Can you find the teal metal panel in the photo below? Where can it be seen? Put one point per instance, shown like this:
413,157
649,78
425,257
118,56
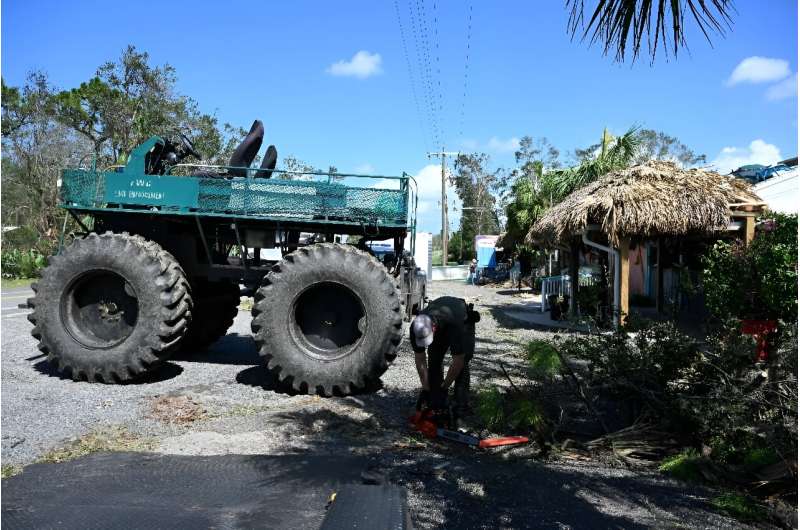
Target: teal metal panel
152,190
275,199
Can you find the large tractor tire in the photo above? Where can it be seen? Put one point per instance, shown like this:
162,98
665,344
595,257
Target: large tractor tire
216,304
110,307
328,319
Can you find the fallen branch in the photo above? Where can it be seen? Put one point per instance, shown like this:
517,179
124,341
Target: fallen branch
502,366
580,390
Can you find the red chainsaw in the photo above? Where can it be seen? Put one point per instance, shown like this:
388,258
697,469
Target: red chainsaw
428,423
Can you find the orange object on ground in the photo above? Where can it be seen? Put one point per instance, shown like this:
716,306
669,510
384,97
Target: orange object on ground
423,421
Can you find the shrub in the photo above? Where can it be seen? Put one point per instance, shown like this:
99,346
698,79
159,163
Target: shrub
23,263
490,407
543,359
645,364
740,409
758,281
739,506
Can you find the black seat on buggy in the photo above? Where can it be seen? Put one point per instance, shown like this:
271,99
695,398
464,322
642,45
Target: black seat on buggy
268,163
247,150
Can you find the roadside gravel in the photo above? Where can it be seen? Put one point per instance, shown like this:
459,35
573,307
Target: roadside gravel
228,406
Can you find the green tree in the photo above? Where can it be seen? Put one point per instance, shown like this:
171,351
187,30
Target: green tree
129,100
652,145
656,145
533,158
476,187
35,149
620,25
613,153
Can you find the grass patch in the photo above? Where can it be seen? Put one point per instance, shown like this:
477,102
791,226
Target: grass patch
13,283
739,506
9,470
110,440
683,466
760,457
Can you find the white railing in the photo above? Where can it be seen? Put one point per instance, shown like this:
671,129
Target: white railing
562,286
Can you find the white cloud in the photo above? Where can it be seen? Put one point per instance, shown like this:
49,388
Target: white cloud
503,146
429,210
784,90
362,65
759,70
758,152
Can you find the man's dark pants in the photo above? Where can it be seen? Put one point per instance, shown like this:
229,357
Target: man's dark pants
436,354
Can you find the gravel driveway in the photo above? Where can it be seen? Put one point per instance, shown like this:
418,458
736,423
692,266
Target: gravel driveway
221,402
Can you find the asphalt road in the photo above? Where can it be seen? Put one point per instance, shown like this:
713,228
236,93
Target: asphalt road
232,408
11,298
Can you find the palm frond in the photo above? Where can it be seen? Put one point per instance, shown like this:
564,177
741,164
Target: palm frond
617,24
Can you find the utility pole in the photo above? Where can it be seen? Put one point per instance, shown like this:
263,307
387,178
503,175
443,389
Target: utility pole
444,154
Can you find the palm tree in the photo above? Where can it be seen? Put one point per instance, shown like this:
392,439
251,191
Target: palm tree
614,153
615,22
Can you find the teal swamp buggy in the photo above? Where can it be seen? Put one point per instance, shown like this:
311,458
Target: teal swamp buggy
166,248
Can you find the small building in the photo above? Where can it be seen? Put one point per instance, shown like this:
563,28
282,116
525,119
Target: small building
648,219
779,186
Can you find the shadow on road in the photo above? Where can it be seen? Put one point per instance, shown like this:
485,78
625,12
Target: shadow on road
455,486
164,372
233,349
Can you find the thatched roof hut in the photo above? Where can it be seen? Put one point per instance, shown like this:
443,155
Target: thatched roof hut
648,200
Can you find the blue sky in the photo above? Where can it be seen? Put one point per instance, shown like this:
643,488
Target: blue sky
297,67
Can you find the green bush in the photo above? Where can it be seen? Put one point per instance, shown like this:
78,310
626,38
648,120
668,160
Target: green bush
490,407
739,506
757,281
543,359
510,410
645,363
23,263
742,410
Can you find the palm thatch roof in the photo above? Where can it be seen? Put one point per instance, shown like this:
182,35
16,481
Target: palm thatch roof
653,199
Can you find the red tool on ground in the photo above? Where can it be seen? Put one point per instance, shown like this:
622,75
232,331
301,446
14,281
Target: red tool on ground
425,421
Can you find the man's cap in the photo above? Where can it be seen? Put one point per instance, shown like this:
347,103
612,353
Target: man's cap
422,331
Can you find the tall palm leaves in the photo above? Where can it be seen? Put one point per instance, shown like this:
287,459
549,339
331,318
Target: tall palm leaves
615,23
614,153
534,192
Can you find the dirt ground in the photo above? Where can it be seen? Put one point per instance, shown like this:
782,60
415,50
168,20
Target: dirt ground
221,402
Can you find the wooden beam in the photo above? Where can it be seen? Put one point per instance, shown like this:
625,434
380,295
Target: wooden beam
749,230
660,276
574,267
624,279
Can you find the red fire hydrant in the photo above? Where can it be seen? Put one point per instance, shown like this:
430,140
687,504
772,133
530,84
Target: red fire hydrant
759,329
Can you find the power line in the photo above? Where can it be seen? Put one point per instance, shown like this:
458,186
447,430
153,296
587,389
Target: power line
438,68
422,25
466,73
417,30
412,82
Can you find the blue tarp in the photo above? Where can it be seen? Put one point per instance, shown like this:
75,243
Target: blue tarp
487,257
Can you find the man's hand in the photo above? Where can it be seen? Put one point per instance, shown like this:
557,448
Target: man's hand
455,369
424,400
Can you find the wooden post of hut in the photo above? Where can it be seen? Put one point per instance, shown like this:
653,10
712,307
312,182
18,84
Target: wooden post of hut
660,276
574,266
749,229
624,278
